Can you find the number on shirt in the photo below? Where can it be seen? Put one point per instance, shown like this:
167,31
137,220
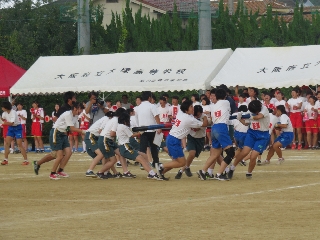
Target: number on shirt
217,113
270,125
255,125
177,122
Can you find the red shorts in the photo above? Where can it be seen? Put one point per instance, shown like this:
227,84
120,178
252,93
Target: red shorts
296,120
4,130
24,130
84,126
208,130
36,129
303,129
73,134
165,131
312,126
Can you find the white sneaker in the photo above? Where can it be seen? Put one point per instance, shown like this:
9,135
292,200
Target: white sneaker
185,150
11,150
265,162
280,161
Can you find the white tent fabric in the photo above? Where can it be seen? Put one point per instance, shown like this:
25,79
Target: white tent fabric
271,67
135,71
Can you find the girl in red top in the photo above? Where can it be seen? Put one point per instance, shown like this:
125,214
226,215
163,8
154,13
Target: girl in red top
311,122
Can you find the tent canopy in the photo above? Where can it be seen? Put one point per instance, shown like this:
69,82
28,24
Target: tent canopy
9,75
125,72
271,67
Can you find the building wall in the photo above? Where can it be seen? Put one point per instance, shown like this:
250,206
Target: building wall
120,5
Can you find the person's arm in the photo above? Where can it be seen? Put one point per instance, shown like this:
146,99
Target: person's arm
24,116
236,91
41,116
89,105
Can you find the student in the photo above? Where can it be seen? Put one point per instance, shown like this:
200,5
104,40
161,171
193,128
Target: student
59,141
294,105
91,141
257,136
267,102
123,134
285,137
242,100
195,99
14,131
54,114
195,142
221,141
84,125
183,125
311,122
205,103
37,116
125,104
22,116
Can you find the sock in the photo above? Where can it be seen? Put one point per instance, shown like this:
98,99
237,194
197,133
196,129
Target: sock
84,146
152,173
6,159
232,167
218,174
89,170
26,160
119,162
210,171
249,173
60,170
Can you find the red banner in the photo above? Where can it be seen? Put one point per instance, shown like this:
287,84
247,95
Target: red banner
4,92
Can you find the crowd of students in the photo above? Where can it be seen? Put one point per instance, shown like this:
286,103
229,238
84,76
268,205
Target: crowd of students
239,127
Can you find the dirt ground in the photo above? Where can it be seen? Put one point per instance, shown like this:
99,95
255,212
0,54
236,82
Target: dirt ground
279,202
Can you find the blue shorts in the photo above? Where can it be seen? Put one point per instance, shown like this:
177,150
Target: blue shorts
15,131
174,147
240,137
285,138
220,136
58,140
257,140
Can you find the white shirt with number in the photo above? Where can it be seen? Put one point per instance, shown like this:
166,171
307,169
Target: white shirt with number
238,126
65,120
164,114
294,102
206,108
199,132
220,112
22,113
145,114
11,117
174,111
39,112
98,125
284,119
273,121
123,134
311,113
261,124
111,125
183,124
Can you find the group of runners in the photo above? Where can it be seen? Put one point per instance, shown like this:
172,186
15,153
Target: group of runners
233,128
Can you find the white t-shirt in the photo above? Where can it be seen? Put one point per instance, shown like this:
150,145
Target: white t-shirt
220,112
123,134
145,114
111,125
311,113
196,103
199,132
11,117
22,113
82,116
244,103
65,120
238,126
273,100
98,125
183,124
174,111
278,103
133,122
317,106
126,105
294,102
263,123
273,121
284,119
206,108
164,114
38,112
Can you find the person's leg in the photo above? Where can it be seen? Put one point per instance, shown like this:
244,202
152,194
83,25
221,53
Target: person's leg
84,149
277,148
252,164
227,160
149,155
96,159
40,142
76,143
270,153
309,142
71,141
65,159
154,148
23,151
314,139
109,164
7,144
25,144
56,164
46,158
214,154
191,156
299,135
36,143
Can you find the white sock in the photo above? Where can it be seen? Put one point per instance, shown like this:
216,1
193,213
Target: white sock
232,167
119,162
210,171
84,146
89,170
152,173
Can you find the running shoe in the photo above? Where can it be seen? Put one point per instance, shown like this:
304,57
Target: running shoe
54,176
230,174
91,174
188,172
36,167
141,167
154,177
83,151
63,174
42,150
118,165
25,163
209,177
101,175
179,174
243,163
293,146
128,175
201,175
4,162
110,175
265,162
299,146
280,161
117,175
222,177
259,162
248,175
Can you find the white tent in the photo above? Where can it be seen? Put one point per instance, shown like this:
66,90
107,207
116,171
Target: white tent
136,71
271,67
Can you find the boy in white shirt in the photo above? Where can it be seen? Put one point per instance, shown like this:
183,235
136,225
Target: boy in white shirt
22,114
14,131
